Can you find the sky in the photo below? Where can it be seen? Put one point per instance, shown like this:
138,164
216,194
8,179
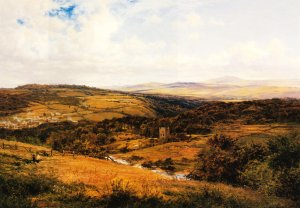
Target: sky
122,42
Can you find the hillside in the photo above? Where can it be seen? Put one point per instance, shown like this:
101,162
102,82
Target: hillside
189,129
224,88
209,114
32,105
149,171
67,181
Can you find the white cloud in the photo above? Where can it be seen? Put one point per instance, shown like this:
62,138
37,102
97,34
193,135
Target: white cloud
277,48
216,22
155,19
188,22
247,52
116,40
194,20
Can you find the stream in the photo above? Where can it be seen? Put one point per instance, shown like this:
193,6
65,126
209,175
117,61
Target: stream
176,176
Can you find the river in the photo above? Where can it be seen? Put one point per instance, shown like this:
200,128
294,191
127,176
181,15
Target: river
176,176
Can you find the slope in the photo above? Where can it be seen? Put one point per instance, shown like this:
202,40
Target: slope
67,181
31,105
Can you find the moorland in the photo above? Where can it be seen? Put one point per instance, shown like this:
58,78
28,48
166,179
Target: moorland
106,150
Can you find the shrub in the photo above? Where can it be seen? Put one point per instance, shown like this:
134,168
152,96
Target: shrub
217,165
15,190
224,160
285,152
147,164
288,184
220,162
135,158
122,193
222,142
258,175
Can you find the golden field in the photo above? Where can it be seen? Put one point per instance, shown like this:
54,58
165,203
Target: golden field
99,175
185,152
55,104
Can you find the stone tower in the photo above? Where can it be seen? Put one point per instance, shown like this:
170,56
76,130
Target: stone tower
164,132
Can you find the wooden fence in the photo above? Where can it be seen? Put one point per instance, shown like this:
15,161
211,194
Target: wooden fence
28,149
47,153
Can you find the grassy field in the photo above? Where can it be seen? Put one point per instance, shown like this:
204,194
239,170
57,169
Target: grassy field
60,104
149,179
85,182
31,105
184,153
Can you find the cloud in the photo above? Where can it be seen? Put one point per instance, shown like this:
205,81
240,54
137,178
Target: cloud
112,42
155,19
216,22
244,59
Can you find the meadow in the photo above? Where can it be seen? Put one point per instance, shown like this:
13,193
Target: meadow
102,148
67,181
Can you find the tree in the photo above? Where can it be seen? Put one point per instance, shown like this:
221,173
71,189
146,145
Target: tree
285,152
224,159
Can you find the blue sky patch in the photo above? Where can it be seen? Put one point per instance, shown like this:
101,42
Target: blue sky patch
64,13
21,21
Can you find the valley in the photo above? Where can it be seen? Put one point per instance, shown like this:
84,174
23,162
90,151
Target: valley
108,149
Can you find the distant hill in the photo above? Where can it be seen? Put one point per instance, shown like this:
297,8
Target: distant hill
224,88
32,105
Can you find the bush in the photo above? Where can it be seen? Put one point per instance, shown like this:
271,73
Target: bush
147,164
122,193
135,158
167,164
220,162
288,184
258,175
15,190
222,142
224,160
285,152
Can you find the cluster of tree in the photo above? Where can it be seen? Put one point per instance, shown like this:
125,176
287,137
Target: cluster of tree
81,141
41,132
167,164
84,137
48,94
202,119
197,121
11,104
273,167
45,86
167,106
249,112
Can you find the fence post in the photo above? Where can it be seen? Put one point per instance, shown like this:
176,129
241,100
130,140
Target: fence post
63,152
73,154
51,152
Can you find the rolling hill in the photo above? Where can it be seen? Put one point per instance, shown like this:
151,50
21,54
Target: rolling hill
224,88
32,105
